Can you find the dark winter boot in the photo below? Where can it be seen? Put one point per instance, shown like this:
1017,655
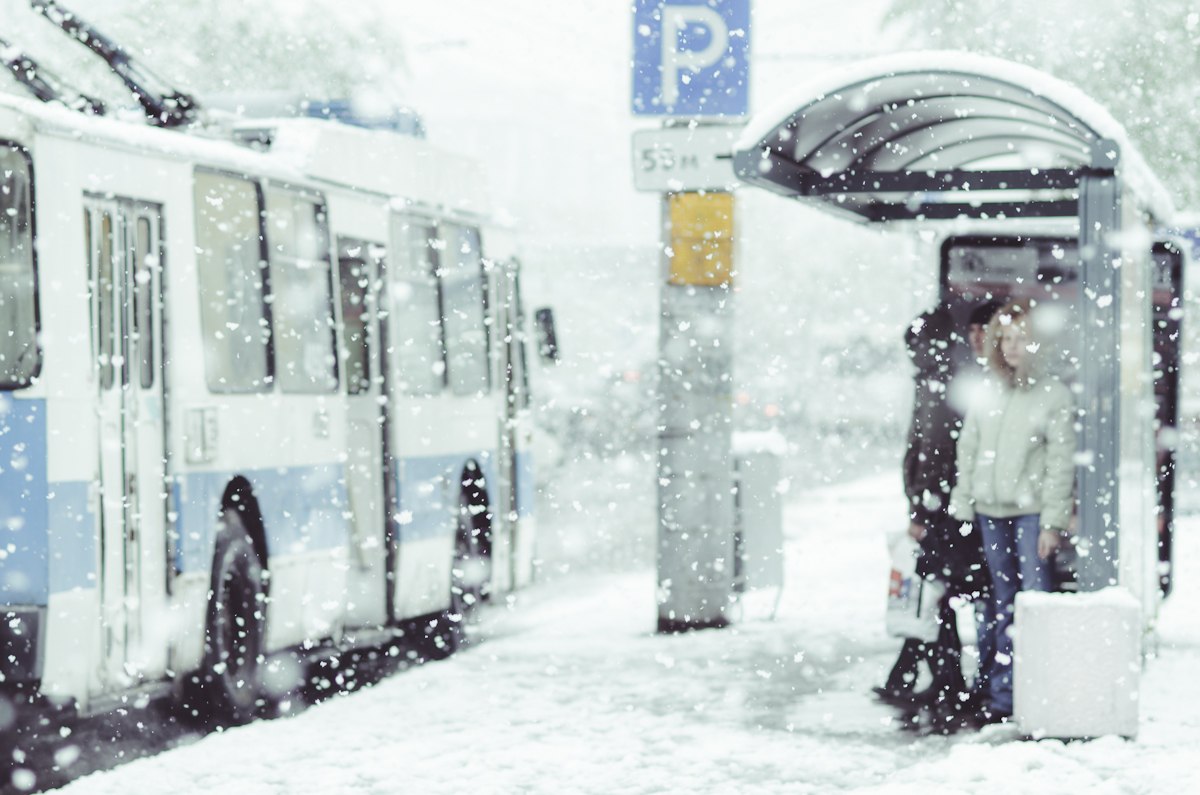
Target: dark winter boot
898,690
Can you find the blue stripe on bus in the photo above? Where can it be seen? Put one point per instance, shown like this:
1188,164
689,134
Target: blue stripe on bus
24,565
428,487
303,509
48,530
72,537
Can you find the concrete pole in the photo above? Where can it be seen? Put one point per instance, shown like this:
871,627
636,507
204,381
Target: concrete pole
695,473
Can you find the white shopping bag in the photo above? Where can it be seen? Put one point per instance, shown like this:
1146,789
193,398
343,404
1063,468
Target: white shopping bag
912,605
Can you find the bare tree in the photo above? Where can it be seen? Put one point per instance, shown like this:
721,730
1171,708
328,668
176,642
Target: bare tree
1140,60
318,48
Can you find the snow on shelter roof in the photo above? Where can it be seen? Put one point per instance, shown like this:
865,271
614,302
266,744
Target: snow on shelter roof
940,135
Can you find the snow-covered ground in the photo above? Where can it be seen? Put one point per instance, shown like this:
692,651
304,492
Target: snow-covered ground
570,690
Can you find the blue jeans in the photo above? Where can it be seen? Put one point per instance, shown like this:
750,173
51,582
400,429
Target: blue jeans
985,644
1010,546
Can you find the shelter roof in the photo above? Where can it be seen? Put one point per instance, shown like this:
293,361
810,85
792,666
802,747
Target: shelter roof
940,135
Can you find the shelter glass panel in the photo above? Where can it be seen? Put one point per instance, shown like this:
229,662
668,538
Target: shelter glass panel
1137,546
1042,270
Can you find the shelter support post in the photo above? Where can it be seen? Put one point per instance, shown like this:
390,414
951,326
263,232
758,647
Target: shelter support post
696,505
1100,416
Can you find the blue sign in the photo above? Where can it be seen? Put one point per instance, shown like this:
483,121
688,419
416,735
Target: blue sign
691,58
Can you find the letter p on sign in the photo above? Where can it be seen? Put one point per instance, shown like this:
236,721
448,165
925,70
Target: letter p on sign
691,58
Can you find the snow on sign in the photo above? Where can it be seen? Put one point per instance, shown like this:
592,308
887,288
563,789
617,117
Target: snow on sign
691,58
684,158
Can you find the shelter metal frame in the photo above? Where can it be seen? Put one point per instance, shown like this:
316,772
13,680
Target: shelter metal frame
935,137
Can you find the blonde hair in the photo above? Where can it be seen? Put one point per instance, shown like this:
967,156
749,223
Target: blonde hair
1014,312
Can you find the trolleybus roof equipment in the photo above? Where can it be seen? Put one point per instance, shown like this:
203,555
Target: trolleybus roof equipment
43,84
164,106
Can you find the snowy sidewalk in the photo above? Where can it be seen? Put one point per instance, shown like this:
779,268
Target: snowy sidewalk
571,691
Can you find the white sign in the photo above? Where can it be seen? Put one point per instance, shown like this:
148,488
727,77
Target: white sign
675,159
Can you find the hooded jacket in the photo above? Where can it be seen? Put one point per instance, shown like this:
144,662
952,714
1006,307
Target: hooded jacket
1016,453
929,471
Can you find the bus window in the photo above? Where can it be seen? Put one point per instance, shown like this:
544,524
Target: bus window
302,293
104,302
18,299
354,274
519,339
357,351
145,260
463,312
229,261
415,317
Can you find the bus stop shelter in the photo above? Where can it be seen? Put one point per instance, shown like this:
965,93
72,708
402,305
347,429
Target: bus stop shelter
929,137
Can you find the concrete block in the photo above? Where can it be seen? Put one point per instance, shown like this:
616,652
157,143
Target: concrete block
758,464
1077,663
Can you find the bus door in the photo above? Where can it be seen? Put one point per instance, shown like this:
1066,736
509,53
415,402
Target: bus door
124,252
360,266
1168,319
516,432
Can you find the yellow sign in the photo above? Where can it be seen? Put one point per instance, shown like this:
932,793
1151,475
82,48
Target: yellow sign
701,247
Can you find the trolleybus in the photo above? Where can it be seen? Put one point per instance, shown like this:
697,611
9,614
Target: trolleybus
262,385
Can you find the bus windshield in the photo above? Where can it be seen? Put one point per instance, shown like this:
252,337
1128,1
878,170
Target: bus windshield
18,315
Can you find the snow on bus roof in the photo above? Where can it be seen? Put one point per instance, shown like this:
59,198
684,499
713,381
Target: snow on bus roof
132,134
301,150
1004,109
381,161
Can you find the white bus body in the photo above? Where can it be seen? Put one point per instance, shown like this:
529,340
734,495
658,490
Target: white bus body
308,332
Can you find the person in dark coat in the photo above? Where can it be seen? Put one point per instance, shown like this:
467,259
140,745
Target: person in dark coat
946,555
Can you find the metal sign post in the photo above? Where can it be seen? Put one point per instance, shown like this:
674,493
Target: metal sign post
691,61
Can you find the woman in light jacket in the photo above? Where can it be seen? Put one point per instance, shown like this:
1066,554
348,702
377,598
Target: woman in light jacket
1016,475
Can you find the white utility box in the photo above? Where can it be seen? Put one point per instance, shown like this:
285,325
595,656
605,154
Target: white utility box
758,543
1077,663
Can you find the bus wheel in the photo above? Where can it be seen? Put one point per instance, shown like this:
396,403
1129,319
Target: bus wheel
229,678
8,750
462,600
471,571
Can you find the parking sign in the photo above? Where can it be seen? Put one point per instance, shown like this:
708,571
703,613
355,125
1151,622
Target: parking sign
691,58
